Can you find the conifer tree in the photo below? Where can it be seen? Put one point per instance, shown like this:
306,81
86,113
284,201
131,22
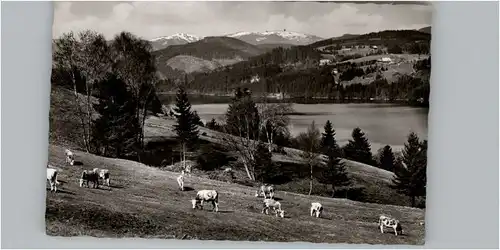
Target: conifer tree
335,174
186,127
386,159
410,178
358,148
328,142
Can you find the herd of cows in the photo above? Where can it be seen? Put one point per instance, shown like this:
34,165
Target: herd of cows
209,196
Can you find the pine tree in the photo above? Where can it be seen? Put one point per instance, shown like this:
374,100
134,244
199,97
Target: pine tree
212,124
410,178
359,149
335,174
386,159
328,142
186,127
115,131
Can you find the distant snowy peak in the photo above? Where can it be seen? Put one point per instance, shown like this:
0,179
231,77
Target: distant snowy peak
176,39
179,36
272,37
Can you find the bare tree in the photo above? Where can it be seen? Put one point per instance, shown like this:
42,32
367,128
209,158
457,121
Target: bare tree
87,59
310,144
242,130
274,120
136,66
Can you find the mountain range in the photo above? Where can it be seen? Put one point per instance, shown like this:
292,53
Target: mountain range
176,39
268,39
188,53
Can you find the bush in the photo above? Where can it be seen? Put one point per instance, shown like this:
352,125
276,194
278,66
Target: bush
210,158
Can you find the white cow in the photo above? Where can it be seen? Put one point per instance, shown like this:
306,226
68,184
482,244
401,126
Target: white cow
180,180
265,189
70,157
208,196
276,205
387,221
104,175
316,209
92,176
52,178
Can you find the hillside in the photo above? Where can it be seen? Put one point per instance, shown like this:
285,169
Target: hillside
385,38
271,46
65,131
145,202
210,49
426,30
191,64
316,70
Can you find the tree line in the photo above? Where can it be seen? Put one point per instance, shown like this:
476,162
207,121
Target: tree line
255,131
121,74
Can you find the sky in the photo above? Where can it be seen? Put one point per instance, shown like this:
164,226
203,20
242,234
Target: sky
205,18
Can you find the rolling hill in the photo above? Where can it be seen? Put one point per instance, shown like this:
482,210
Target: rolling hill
191,64
64,131
383,38
214,49
291,70
145,202
271,46
276,37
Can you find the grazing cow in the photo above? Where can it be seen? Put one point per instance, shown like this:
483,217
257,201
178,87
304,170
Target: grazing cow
265,189
52,178
208,196
180,180
104,175
316,209
386,221
276,205
91,176
70,157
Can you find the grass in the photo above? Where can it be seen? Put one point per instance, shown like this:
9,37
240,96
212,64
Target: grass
145,202
65,131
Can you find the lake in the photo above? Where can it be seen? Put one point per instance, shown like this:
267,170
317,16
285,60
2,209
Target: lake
383,124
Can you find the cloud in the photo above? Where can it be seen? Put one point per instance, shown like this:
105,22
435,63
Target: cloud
203,18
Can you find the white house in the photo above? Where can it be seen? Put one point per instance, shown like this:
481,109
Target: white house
254,79
324,62
385,59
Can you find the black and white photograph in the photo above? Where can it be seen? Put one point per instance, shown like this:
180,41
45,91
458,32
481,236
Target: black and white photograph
240,121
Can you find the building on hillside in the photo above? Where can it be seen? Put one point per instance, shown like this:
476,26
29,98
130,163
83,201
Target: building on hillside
278,96
255,79
324,62
385,60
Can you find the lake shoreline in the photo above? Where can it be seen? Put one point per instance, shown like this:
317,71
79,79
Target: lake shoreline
198,99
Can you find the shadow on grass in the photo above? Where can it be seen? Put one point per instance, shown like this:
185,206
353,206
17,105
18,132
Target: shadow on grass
77,163
60,191
225,212
188,189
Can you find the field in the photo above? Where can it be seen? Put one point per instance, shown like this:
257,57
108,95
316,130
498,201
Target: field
145,202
